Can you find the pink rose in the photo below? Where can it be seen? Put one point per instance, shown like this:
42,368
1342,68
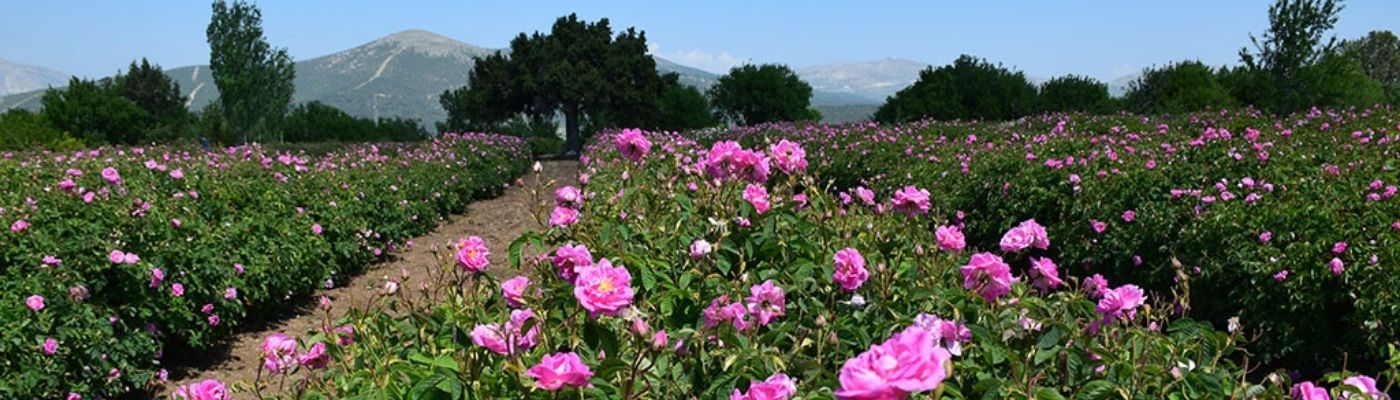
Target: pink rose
766,301
207,389
1121,302
950,238
177,290
776,387
603,288
316,229
472,256
514,290
568,197
850,269
1027,234
1337,266
1366,384
1045,273
50,346
116,257
279,353
911,200
757,195
558,370
699,249
563,216
569,258
988,275
35,302
19,226
909,362
1308,391
632,144
315,357
790,157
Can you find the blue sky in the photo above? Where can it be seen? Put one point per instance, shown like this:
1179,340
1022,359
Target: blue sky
1101,39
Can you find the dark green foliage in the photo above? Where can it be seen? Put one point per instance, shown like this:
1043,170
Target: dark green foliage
1074,93
970,88
254,79
94,112
1289,49
151,89
579,70
1378,55
22,129
316,121
754,94
683,108
1185,86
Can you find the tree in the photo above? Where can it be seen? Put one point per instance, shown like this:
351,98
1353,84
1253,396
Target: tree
970,88
579,70
1378,55
1292,44
1186,86
754,94
1074,93
254,79
151,89
683,108
93,111
21,129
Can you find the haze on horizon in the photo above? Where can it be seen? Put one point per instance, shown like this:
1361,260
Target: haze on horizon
1101,40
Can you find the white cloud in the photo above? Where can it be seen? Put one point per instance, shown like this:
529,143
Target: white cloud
719,63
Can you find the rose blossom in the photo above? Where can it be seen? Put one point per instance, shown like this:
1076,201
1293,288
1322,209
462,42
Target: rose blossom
557,370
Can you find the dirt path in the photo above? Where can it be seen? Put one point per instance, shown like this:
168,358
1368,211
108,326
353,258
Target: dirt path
498,221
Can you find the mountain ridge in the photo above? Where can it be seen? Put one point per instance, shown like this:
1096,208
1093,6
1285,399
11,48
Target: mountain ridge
402,74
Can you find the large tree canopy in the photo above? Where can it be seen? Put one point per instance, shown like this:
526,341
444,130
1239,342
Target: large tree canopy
754,94
254,79
970,88
579,69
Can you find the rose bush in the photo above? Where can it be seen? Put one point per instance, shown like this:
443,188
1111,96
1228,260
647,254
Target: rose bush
116,255
672,283
1290,223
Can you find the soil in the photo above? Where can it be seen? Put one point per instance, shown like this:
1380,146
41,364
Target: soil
498,221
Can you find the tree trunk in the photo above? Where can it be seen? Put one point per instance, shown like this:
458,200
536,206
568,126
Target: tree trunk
573,142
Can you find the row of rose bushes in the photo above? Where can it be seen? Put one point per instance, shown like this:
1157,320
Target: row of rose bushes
679,270
114,255
1291,224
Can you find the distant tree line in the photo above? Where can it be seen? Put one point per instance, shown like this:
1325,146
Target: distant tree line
143,105
1291,69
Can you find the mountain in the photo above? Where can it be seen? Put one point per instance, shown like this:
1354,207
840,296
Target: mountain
872,81
402,75
398,75
18,78
1119,86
